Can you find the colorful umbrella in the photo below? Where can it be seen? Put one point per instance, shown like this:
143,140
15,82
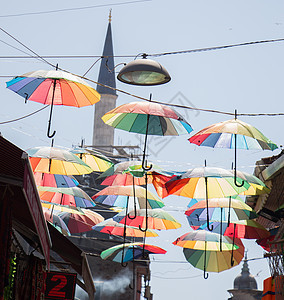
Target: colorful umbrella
66,196
155,219
218,210
96,160
130,251
127,196
54,87
119,174
132,117
243,229
56,161
201,249
213,261
55,180
60,208
78,223
56,221
232,134
113,228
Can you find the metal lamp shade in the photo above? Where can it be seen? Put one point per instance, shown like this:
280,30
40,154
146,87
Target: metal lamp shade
144,72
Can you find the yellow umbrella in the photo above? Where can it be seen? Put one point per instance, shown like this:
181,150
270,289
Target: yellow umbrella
56,161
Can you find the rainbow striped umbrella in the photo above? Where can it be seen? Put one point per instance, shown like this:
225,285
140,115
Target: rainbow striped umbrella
128,196
94,159
66,196
54,160
111,227
130,251
54,87
201,249
154,219
55,180
162,120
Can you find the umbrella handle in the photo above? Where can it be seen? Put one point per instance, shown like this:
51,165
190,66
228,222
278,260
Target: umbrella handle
232,253
26,97
142,229
135,211
144,166
235,169
124,265
205,275
51,109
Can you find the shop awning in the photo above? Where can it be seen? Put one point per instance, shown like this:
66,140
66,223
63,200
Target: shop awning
16,174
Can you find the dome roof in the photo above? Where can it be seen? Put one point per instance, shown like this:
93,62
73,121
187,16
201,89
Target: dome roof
245,281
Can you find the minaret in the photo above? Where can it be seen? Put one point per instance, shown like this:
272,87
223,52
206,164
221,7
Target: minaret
103,135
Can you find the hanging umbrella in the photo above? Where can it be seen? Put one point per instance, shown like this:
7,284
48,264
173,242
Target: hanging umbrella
119,174
94,159
78,223
232,134
155,219
56,221
56,161
243,229
130,251
66,196
55,180
215,261
127,196
205,183
113,228
132,117
201,249
218,210
54,87
60,208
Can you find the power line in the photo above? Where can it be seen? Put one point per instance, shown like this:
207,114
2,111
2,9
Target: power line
151,55
70,9
143,98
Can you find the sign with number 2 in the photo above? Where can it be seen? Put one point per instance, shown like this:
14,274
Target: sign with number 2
60,285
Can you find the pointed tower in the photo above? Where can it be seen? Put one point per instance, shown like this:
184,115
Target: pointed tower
245,285
103,135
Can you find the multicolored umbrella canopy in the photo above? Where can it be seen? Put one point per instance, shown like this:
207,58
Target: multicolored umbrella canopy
155,219
215,261
219,208
119,174
257,187
243,229
60,208
94,159
222,135
192,184
132,117
204,240
78,223
56,221
111,227
66,196
123,196
55,180
69,89
130,251
54,88
56,161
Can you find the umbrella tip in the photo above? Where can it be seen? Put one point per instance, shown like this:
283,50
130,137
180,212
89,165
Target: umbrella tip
109,16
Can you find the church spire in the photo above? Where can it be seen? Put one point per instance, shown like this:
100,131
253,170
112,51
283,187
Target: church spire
107,72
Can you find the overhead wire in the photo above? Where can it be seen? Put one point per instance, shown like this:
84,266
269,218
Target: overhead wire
71,9
140,97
